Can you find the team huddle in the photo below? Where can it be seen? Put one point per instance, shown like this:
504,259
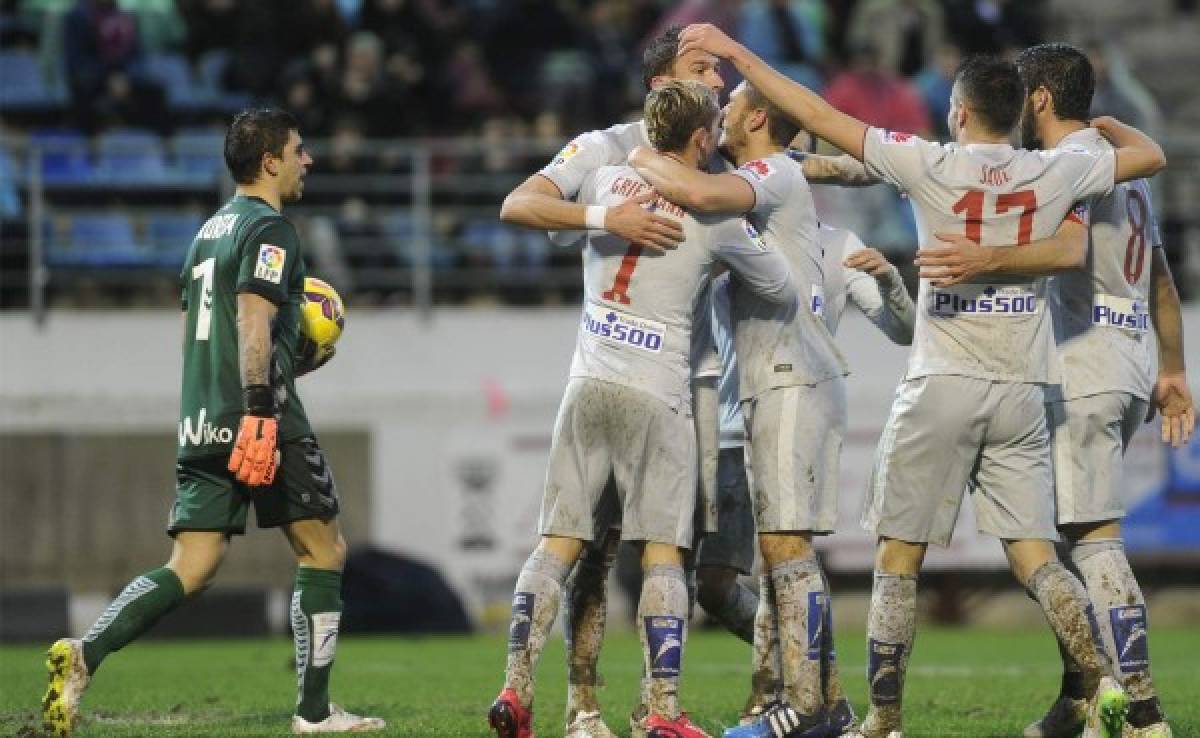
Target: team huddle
706,403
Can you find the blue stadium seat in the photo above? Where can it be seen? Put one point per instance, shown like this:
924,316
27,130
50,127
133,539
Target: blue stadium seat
174,73
100,240
63,155
131,155
401,232
171,235
21,81
485,237
198,153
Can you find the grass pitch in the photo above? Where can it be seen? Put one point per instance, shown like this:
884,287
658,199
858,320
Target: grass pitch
960,683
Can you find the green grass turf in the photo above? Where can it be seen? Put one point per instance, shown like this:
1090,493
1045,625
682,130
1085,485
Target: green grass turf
960,683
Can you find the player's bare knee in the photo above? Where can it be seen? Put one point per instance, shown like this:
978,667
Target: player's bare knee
562,548
1075,533
656,554
1027,556
780,547
901,558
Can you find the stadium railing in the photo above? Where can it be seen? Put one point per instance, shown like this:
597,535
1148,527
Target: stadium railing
408,222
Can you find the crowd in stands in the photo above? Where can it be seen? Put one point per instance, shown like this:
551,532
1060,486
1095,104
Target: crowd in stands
162,76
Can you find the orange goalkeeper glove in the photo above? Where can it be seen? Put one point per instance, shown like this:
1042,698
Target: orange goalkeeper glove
254,458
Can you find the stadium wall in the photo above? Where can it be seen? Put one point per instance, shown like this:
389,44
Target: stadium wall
437,430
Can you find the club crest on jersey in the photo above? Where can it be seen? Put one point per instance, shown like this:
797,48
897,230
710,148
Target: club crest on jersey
984,301
898,137
754,235
760,169
269,266
1111,311
620,328
566,153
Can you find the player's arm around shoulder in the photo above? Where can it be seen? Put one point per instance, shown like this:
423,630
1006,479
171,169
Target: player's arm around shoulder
956,259
843,170
691,188
1137,155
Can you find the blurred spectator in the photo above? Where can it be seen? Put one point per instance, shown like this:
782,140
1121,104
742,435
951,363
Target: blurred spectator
935,82
1118,92
348,153
787,34
473,94
906,33
721,13
300,95
103,57
992,26
364,90
521,36
608,38
874,94
162,27
208,25
314,28
398,23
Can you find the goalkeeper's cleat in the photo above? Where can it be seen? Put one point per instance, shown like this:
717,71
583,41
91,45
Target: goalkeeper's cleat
1157,730
339,721
1106,713
588,725
1065,719
508,718
68,679
658,726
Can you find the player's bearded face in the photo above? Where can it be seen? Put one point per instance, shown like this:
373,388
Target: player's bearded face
293,167
699,66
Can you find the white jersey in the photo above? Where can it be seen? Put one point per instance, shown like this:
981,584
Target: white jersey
893,312
636,326
995,194
1101,314
610,147
783,345
732,424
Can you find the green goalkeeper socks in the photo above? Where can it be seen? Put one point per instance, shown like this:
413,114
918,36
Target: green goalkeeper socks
139,606
316,612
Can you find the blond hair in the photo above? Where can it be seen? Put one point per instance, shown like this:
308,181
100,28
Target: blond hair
675,110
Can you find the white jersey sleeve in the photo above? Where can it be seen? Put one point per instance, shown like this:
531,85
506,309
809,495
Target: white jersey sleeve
901,159
891,310
764,270
771,184
577,159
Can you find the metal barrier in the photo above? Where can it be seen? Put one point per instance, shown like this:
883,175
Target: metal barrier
395,222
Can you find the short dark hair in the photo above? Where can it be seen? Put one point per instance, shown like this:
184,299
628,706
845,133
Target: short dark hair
991,87
781,128
674,112
1065,72
659,57
252,133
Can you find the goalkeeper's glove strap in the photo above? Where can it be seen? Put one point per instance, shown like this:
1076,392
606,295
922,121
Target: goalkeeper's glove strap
259,400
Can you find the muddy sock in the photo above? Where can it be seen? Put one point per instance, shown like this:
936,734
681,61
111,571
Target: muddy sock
830,679
800,607
766,669
1065,604
535,605
587,614
1121,614
891,625
662,615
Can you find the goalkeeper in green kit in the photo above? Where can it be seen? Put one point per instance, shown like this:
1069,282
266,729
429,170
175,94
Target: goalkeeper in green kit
244,438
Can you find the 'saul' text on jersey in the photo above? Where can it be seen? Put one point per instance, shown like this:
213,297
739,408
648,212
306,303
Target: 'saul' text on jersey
1010,301
620,328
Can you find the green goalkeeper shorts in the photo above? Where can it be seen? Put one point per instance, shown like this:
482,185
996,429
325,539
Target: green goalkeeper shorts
208,498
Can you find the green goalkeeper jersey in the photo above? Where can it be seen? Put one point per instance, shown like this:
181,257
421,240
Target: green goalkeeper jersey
246,247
